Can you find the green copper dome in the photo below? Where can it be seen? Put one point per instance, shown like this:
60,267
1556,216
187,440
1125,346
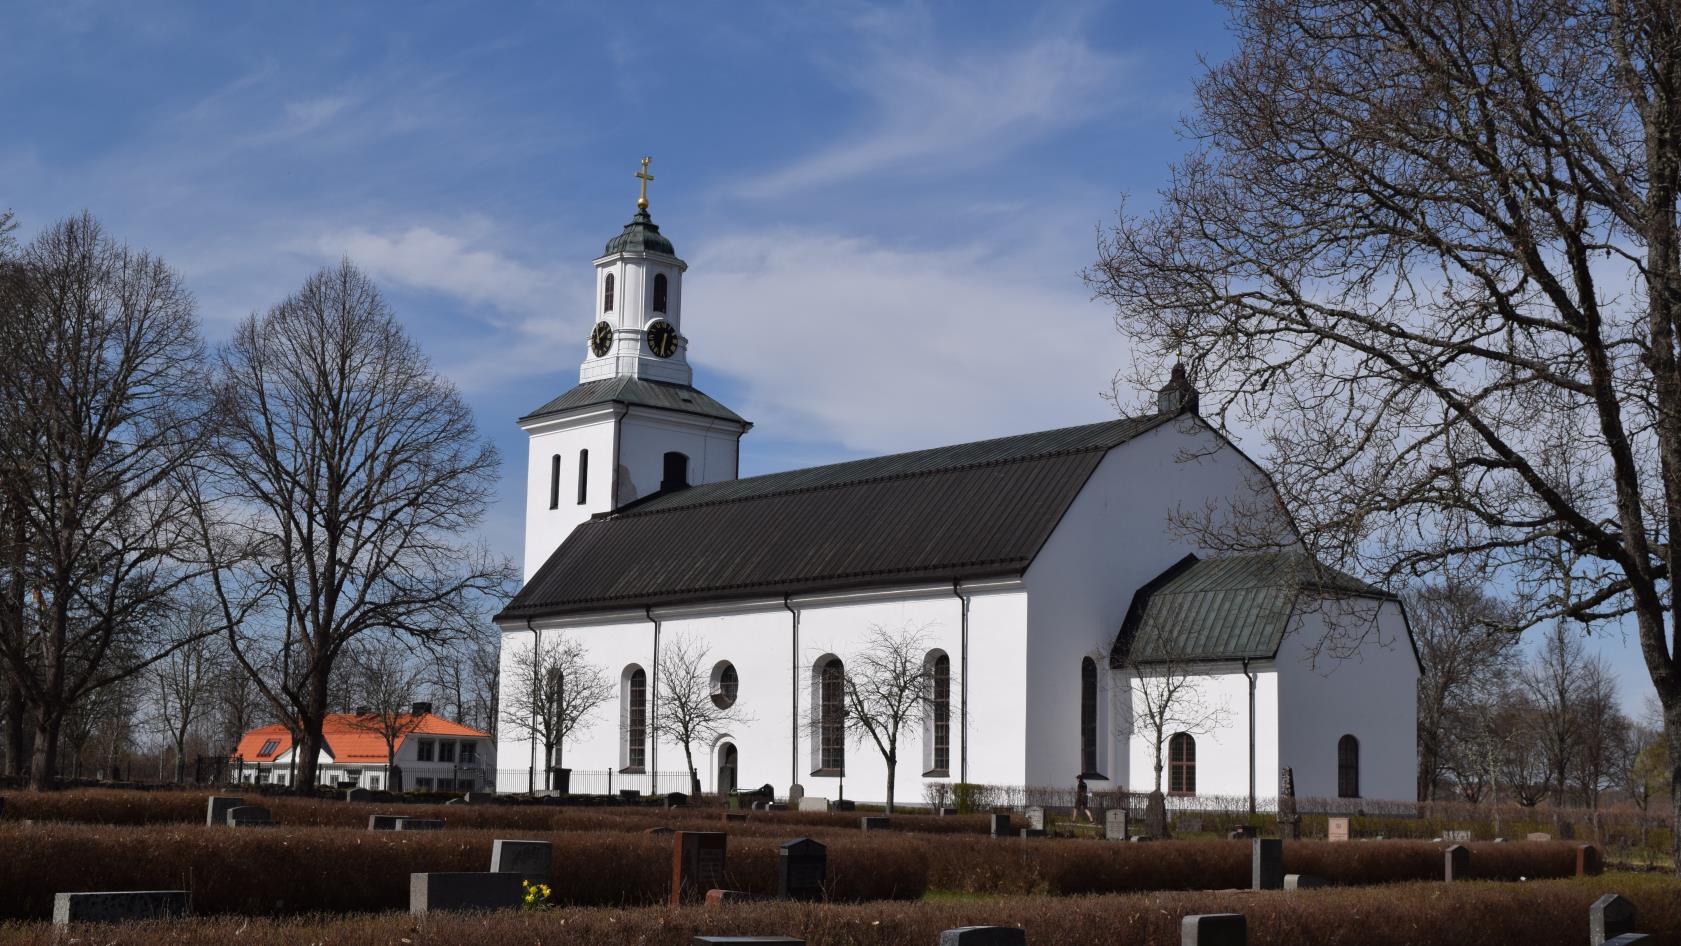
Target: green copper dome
641,235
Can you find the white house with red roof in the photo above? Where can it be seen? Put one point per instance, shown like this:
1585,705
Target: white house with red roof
432,754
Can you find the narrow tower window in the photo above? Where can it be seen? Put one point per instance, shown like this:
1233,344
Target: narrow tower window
831,717
1088,717
1182,765
607,294
554,482
676,473
659,292
1348,767
941,712
635,749
583,476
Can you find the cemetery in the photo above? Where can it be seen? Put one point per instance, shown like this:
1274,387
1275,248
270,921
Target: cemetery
337,870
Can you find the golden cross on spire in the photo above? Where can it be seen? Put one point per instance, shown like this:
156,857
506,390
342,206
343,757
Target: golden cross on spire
642,201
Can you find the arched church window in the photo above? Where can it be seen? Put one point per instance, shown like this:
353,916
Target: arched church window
583,476
659,292
1348,767
726,684
1088,717
939,715
634,750
1182,764
676,474
607,294
831,716
554,482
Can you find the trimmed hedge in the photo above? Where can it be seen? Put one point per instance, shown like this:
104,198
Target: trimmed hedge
1551,913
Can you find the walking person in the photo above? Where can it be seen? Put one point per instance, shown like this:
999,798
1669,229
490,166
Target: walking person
1082,801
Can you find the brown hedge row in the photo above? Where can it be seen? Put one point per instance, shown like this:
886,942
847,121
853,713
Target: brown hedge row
1549,913
301,869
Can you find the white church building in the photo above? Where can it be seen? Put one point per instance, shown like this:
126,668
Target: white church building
1043,572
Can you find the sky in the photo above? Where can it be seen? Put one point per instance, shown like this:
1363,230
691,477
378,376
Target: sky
885,209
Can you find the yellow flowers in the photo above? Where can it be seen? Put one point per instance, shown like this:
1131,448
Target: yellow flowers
536,896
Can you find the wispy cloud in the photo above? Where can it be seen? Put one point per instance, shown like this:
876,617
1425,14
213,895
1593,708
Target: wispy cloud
421,257
930,108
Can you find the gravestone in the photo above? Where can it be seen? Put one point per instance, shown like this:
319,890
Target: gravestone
1000,825
1035,818
630,794
1188,825
875,823
796,792
697,864
383,822
1034,832
1589,862
1609,917
775,806
813,803
1115,824
1242,832
802,866
1336,829
1457,836
1289,821
676,800
420,824
1456,863
216,812
478,798
845,804
1630,939
1214,929
1538,836
746,941
529,859
946,812
1266,864
248,814
1302,881
358,794
984,936
119,906
429,893
731,817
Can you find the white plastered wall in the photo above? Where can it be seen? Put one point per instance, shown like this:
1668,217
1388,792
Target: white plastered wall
1219,692
591,430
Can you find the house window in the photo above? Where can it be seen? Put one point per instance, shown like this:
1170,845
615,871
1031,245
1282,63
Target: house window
676,471
268,747
726,684
1348,767
607,294
423,750
635,688
583,476
940,715
373,782
1182,765
831,717
554,482
446,751
1088,717
469,753
659,292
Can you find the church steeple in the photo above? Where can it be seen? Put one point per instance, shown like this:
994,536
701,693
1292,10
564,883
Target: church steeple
637,332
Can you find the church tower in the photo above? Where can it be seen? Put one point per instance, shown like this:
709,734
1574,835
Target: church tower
635,424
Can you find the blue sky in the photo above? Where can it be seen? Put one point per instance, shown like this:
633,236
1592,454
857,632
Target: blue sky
885,209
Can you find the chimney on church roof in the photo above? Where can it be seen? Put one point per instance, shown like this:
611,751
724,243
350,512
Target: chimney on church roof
1177,396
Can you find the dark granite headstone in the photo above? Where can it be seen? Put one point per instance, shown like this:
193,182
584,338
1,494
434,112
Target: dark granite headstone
1456,863
255,814
1000,825
697,864
383,822
1214,929
676,800
734,817
358,794
216,811
1630,939
529,859
1242,832
119,906
984,936
802,867
844,804
1589,862
420,824
1302,881
1034,833
1609,917
464,891
875,823
1266,864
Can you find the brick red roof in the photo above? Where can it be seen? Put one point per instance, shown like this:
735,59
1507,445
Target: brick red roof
350,738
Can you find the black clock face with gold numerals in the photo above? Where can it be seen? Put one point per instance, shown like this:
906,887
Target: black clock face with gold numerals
601,338
662,339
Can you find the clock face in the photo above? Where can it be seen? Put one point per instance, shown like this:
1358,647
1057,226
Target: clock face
662,338
601,338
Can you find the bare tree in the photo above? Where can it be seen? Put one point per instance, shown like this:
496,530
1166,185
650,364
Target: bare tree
551,693
384,678
357,472
1554,681
1466,643
692,708
887,686
102,407
184,685
1605,735
1166,699
1433,249
464,677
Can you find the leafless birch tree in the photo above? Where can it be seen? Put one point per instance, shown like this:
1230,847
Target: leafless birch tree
551,693
692,710
1168,698
887,686
1432,249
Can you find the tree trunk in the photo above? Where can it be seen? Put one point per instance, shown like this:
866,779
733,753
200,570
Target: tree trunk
892,776
16,729
694,777
43,766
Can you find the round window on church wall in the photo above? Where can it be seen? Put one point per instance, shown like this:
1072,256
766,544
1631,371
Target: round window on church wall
725,683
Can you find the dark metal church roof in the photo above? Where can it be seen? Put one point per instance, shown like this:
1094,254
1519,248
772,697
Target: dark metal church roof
1226,608
638,391
972,510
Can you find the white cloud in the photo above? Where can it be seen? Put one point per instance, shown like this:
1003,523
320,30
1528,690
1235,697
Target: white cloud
883,349
969,108
421,257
